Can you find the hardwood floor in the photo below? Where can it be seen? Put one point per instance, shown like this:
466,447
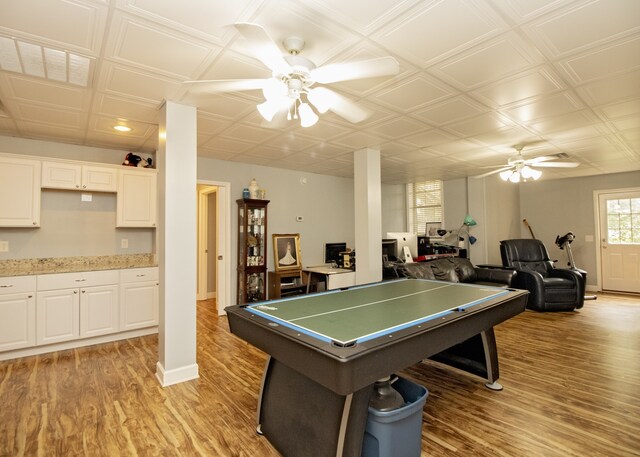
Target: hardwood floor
571,388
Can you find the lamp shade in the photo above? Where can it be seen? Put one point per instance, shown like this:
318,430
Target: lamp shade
469,221
307,116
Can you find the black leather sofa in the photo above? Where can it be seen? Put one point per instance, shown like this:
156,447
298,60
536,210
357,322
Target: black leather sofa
457,269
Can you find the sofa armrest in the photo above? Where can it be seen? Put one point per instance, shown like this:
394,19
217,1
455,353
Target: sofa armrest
575,277
497,275
534,283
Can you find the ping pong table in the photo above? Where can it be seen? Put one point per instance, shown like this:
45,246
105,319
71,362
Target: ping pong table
326,351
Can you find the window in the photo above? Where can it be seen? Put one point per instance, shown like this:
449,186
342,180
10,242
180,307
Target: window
623,221
424,205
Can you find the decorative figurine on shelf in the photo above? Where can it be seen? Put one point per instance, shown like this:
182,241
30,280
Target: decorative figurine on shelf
253,188
131,160
245,193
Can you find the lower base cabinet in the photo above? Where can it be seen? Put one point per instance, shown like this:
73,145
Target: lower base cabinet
58,316
138,298
17,320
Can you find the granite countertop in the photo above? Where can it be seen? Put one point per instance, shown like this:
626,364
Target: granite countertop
21,267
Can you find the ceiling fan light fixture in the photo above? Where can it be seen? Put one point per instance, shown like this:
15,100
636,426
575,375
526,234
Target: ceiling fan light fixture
504,175
535,174
307,116
268,109
515,177
321,98
274,89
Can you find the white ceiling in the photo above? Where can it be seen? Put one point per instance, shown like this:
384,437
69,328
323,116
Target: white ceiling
476,78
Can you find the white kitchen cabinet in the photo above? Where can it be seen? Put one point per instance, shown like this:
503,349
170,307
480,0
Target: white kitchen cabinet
138,298
67,175
17,312
137,198
19,192
76,305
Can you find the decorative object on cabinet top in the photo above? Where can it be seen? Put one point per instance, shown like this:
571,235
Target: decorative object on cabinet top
23,267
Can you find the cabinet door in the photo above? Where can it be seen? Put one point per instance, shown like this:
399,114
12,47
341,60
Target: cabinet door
61,175
98,311
138,305
57,316
17,321
136,201
19,192
99,179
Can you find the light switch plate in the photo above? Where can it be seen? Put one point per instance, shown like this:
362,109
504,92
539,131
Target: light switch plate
86,197
4,246
124,243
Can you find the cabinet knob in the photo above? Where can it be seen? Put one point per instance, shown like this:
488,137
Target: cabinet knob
6,285
140,276
83,291
81,280
77,186
84,187
75,292
35,223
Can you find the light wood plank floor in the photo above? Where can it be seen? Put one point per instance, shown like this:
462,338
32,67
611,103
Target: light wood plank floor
572,388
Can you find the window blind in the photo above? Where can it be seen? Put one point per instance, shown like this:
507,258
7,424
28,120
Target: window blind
424,205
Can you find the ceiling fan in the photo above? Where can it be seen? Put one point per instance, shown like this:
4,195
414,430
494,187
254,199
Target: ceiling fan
292,87
518,167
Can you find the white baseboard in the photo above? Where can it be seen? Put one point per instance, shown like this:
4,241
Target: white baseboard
176,375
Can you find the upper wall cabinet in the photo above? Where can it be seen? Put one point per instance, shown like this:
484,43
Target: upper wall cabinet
137,198
19,192
62,175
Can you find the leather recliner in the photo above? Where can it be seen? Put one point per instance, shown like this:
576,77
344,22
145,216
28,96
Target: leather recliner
550,288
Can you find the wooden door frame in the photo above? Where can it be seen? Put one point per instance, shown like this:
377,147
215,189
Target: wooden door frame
596,202
223,242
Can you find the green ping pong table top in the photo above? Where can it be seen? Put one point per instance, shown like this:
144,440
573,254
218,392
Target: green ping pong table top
362,313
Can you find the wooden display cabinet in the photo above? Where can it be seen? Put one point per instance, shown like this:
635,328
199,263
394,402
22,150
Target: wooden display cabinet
252,250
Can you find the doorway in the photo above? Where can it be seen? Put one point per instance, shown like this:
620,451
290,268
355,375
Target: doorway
214,252
619,239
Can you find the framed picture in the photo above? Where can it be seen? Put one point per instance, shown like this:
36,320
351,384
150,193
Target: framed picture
432,229
286,251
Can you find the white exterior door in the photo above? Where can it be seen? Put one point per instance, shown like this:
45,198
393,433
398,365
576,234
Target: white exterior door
620,240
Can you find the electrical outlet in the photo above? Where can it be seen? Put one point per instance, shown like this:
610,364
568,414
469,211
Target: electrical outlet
4,246
86,197
124,243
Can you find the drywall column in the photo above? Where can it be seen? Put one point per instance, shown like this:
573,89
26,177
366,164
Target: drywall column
368,215
476,208
177,251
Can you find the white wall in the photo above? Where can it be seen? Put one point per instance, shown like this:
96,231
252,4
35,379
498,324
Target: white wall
559,206
69,227
502,216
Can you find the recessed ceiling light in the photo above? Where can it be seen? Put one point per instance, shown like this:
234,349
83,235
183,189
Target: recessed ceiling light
122,128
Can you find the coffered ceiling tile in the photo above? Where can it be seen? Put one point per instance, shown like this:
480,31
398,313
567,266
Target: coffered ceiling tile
52,116
438,39
413,93
324,131
585,24
612,89
585,134
72,25
490,61
526,85
454,147
359,140
100,139
625,108
328,150
291,142
227,145
565,121
244,158
631,123
417,155
477,125
451,110
142,45
504,138
248,133
126,108
607,61
211,125
214,153
268,153
323,38
525,10
429,138
105,125
364,16
68,134
233,65
122,81
28,89
225,105
552,105
203,18
392,148
398,128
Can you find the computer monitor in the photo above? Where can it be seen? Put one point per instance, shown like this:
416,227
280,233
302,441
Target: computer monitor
390,249
405,239
332,252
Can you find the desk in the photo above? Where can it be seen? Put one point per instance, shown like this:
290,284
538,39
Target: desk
326,351
333,277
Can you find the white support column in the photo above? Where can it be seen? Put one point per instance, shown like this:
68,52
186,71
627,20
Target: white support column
177,162
368,215
476,208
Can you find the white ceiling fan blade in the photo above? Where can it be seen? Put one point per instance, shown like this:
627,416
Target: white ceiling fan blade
539,159
260,44
382,66
345,108
557,164
224,85
499,170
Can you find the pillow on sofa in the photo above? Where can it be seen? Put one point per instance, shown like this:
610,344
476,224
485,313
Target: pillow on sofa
465,269
444,269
